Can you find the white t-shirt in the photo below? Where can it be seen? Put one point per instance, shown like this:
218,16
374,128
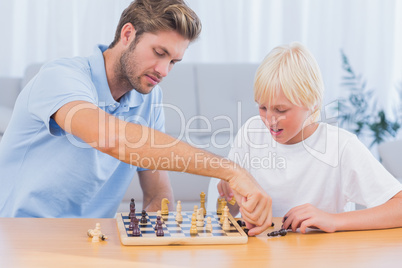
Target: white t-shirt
328,169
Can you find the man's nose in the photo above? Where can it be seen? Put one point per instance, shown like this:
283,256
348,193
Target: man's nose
163,68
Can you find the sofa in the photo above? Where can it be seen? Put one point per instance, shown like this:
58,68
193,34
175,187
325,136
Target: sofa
205,105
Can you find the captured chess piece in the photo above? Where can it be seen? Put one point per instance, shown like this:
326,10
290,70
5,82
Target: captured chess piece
96,233
281,232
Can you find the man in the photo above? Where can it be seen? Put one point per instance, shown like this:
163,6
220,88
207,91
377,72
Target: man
68,150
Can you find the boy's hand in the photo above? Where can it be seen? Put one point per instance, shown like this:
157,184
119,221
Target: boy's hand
308,216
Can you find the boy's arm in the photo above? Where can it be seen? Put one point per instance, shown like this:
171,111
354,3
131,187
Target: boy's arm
145,147
387,215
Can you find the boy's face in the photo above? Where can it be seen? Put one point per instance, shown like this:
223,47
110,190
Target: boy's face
146,63
285,120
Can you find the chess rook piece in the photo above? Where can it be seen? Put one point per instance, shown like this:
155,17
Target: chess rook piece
219,207
164,206
179,217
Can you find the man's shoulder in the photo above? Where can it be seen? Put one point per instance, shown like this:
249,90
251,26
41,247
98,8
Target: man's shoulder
66,66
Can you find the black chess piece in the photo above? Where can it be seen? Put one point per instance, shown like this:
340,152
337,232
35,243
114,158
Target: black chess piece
159,229
144,217
158,221
136,228
132,208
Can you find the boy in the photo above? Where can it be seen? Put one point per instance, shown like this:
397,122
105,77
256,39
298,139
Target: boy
314,168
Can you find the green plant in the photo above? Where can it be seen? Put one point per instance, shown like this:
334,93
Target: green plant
359,112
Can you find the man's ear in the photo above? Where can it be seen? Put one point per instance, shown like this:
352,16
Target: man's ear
127,34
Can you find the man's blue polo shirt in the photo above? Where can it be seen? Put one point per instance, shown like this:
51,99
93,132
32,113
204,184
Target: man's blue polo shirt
46,172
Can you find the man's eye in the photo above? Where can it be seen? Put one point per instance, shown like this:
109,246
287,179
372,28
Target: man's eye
159,54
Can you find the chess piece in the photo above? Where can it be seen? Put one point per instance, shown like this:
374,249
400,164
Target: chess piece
159,213
193,228
131,226
164,206
179,217
200,217
132,207
144,217
219,206
96,233
195,209
159,229
158,221
202,201
208,227
226,224
132,213
225,214
232,201
136,228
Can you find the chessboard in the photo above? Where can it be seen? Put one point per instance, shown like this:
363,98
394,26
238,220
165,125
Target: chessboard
176,233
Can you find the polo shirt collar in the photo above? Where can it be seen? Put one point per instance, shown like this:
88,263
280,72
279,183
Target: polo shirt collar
105,99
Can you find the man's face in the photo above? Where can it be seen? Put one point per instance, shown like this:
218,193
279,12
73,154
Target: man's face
144,64
285,121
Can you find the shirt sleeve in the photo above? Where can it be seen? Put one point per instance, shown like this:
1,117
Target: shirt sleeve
54,87
365,180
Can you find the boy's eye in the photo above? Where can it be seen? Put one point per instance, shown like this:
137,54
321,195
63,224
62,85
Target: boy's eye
280,111
262,108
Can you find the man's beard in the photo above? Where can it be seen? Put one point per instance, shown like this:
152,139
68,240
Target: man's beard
127,71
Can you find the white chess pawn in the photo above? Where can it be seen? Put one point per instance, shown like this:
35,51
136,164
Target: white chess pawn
179,217
226,224
96,233
208,227
200,217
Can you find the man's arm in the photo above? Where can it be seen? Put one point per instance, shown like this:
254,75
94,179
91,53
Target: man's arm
155,186
148,148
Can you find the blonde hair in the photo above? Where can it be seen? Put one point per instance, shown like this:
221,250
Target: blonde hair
292,69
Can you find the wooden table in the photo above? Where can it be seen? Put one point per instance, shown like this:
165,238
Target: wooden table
64,243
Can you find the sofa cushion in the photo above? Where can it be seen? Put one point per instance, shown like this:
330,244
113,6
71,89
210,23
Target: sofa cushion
226,95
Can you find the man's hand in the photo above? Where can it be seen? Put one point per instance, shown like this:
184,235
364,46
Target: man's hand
307,215
255,204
